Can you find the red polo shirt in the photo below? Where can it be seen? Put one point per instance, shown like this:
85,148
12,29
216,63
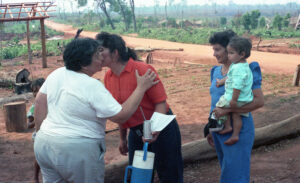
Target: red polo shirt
121,87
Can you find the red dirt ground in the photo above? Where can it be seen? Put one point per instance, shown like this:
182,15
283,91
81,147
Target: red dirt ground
187,86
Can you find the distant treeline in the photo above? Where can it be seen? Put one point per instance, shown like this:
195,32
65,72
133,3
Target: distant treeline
176,10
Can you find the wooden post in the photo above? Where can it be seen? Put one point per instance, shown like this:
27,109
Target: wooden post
297,26
149,59
15,116
43,37
28,44
296,76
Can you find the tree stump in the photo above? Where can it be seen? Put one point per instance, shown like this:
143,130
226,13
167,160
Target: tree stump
15,116
22,76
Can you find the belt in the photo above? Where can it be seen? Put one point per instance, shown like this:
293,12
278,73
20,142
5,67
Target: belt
138,130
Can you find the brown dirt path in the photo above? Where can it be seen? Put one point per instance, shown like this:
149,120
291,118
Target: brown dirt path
203,54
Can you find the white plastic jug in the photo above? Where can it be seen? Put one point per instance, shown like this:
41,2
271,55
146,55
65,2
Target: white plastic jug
142,166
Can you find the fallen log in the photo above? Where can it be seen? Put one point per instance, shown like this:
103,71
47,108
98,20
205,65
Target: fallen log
200,150
142,49
6,83
277,131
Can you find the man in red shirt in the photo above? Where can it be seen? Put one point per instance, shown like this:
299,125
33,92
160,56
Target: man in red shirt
120,81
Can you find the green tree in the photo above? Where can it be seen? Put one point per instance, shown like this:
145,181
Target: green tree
255,14
121,8
133,14
262,22
102,5
286,20
277,22
246,21
236,21
82,3
223,21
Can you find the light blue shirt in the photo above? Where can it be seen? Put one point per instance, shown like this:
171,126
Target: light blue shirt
239,77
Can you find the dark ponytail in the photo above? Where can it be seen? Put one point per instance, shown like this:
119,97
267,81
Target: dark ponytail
131,54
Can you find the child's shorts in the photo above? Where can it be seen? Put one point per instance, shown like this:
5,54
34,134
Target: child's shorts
226,104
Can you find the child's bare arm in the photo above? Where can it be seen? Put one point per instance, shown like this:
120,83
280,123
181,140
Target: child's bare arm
31,123
221,82
235,96
41,109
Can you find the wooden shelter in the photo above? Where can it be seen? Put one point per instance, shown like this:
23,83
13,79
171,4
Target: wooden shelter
15,12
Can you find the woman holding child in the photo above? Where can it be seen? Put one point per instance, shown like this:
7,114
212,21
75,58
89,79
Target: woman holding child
234,155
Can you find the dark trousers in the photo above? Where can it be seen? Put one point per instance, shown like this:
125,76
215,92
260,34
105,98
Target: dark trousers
167,148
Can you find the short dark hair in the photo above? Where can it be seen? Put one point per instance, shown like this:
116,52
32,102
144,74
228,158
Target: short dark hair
115,42
37,83
241,44
222,38
79,52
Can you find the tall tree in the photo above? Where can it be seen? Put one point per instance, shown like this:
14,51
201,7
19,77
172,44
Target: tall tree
223,21
183,4
166,13
156,6
286,20
246,19
102,5
237,20
277,22
133,14
262,22
82,3
255,14
122,6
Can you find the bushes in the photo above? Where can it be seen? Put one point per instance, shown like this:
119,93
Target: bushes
195,36
20,50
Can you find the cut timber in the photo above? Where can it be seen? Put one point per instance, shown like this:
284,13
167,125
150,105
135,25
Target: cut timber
142,49
200,150
277,131
296,76
15,117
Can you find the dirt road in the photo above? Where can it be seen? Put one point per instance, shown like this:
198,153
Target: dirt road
270,62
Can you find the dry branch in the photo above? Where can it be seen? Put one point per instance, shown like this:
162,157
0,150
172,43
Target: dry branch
200,150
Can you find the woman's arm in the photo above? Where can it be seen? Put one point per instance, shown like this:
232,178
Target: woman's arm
258,101
131,104
123,147
161,108
41,109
